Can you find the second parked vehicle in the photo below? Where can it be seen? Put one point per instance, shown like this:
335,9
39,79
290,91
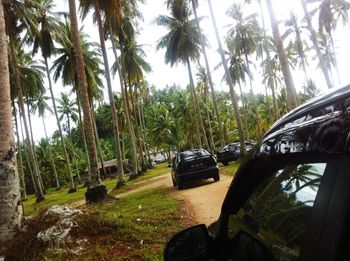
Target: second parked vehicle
231,152
192,165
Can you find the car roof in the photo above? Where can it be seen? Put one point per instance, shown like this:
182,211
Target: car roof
328,98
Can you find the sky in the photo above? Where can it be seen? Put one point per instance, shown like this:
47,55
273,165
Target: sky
163,75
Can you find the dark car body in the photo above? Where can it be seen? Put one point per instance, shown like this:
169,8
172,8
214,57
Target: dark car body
192,165
309,226
231,152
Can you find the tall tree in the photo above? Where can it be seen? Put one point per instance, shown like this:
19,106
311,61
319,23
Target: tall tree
182,44
316,45
96,191
292,95
210,80
86,5
229,82
48,27
19,18
10,207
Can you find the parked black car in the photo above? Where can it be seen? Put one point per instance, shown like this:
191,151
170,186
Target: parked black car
291,199
192,165
231,152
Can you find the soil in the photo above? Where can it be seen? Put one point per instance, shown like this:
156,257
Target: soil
202,200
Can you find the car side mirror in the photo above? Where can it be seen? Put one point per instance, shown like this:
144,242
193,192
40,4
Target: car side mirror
190,244
245,247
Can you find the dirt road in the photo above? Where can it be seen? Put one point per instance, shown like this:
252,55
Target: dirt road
203,199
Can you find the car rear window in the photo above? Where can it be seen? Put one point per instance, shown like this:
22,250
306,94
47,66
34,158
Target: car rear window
193,154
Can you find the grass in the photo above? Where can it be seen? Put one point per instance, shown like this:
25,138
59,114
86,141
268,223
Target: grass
230,169
63,198
129,228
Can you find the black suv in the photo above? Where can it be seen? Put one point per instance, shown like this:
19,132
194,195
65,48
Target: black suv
192,165
291,199
231,152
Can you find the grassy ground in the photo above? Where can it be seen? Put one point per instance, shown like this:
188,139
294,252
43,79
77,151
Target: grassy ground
130,228
230,169
62,197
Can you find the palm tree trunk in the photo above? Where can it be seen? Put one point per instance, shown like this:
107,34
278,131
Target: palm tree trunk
244,107
33,146
40,194
196,106
96,191
212,143
11,209
20,158
211,84
26,153
66,158
99,149
291,93
82,130
142,130
265,47
120,172
52,161
129,123
230,83
145,131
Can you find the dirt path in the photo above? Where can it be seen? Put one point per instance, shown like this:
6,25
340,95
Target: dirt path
204,199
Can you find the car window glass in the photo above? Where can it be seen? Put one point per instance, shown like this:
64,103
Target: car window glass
278,212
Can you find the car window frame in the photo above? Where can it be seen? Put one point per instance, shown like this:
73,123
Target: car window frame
320,210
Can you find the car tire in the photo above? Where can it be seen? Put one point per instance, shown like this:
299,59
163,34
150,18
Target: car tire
180,186
225,163
216,177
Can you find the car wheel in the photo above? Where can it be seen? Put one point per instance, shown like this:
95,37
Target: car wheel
174,183
180,186
225,163
216,178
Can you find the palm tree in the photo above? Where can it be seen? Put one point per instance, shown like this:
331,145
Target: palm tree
315,43
182,43
85,6
40,104
243,38
19,17
292,95
96,191
135,65
20,158
210,80
229,82
47,31
10,206
67,109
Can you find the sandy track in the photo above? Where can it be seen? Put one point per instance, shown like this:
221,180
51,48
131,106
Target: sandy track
203,199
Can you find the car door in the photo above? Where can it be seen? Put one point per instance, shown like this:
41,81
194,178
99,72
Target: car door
290,210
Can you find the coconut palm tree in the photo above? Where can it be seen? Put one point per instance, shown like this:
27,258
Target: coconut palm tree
10,207
229,82
20,18
292,95
67,109
44,40
96,191
313,37
85,6
210,80
182,44
244,37
41,106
